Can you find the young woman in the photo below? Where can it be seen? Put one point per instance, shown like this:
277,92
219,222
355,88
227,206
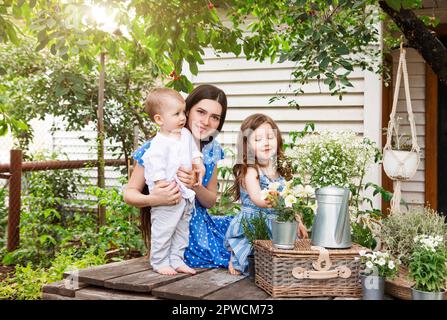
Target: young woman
206,109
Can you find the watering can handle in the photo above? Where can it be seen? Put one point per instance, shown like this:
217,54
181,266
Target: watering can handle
343,218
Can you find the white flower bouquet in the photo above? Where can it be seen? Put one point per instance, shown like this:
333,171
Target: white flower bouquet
331,158
378,263
292,199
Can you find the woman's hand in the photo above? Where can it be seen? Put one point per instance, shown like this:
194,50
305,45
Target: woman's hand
165,194
186,176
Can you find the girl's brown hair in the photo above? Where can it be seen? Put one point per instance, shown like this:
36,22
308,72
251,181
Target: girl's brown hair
204,91
245,156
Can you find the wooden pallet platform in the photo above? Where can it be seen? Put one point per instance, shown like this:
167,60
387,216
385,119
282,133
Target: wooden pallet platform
134,280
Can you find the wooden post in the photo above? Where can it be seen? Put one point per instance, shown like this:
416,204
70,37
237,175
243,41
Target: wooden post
100,113
15,187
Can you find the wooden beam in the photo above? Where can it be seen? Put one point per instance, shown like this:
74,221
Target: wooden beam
387,100
431,138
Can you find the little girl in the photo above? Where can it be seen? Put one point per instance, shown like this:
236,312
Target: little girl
259,148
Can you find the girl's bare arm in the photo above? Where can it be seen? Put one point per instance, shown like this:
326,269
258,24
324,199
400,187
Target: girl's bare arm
251,184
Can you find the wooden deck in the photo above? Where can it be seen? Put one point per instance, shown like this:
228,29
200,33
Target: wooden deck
134,280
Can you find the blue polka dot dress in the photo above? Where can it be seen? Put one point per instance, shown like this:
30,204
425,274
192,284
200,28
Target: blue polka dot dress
235,237
206,248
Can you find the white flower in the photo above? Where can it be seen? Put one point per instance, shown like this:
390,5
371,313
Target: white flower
369,265
309,190
381,262
391,264
362,252
289,201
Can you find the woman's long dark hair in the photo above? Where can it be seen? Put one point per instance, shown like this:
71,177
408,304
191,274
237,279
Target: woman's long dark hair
249,125
204,91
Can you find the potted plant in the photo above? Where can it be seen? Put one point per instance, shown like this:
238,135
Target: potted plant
378,267
255,229
290,204
428,268
401,161
331,161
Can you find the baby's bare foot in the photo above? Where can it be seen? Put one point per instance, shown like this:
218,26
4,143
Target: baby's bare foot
232,270
185,269
168,271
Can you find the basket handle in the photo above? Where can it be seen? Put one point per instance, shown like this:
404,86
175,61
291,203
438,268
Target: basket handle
321,272
339,272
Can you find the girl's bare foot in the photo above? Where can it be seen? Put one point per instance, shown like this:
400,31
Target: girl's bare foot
232,270
185,269
167,271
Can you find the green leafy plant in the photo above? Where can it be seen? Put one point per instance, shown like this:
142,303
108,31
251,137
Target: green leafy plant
27,281
255,228
225,204
379,263
399,230
428,263
399,141
121,231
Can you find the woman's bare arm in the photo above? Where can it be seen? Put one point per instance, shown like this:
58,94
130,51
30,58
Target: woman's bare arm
164,193
208,196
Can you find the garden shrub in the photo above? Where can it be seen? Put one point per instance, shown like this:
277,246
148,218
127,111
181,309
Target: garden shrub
399,230
27,281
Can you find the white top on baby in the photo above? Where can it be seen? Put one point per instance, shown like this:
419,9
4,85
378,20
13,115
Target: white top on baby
164,157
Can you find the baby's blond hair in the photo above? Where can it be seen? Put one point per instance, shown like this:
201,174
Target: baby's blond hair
156,98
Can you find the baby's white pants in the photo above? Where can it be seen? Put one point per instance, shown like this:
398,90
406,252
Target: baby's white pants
170,234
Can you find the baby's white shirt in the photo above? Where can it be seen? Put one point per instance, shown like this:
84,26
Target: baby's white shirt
165,155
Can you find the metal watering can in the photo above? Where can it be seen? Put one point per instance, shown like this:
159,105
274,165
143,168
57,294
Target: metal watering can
331,227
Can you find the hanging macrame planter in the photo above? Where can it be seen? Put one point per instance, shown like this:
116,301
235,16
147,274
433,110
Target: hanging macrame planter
400,165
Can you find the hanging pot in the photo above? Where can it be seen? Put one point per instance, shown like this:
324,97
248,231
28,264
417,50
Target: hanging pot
399,164
284,234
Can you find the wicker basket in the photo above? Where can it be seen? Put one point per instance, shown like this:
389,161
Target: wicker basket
400,287
307,271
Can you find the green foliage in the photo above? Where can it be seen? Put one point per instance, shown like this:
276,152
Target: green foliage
326,39
361,234
53,219
27,281
3,215
41,85
256,227
399,230
428,266
225,204
121,231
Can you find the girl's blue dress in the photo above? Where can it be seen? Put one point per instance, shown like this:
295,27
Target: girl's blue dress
235,238
206,248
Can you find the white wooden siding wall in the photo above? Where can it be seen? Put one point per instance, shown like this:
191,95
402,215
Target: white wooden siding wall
413,191
70,143
249,85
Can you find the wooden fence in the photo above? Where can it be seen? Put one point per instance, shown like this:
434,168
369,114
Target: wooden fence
13,172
